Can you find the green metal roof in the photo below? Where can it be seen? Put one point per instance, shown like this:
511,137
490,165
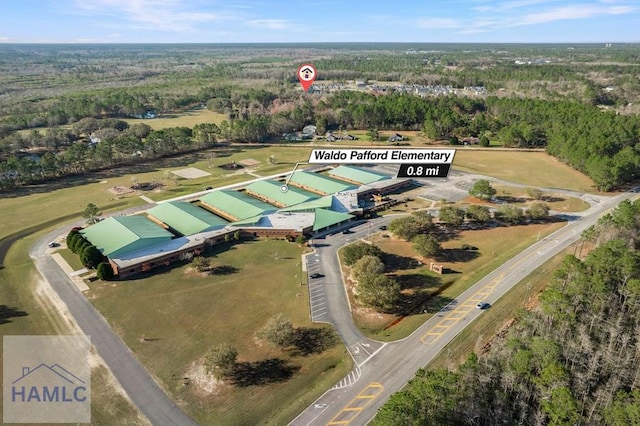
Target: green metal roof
356,174
325,218
236,204
324,202
120,234
186,218
320,183
270,190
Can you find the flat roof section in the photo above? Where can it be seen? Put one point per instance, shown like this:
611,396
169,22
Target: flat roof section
186,218
120,234
297,221
321,184
357,175
269,190
235,205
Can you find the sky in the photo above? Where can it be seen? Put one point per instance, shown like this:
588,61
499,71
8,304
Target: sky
256,21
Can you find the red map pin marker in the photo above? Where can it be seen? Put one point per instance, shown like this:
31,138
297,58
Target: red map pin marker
306,74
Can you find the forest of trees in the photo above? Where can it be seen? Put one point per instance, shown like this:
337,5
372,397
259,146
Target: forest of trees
536,374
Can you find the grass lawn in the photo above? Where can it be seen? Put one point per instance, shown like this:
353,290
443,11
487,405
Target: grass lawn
517,196
27,312
557,202
412,205
477,336
72,259
529,168
495,246
178,314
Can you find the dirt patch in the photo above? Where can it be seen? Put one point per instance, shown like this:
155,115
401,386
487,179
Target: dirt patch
193,272
500,334
249,162
120,190
203,383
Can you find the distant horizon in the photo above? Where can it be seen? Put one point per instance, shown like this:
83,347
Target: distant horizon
319,21
551,43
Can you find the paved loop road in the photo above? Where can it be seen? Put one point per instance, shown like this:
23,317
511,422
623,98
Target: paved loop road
134,379
390,366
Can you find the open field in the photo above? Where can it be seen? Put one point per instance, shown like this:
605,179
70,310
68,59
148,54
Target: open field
185,119
23,212
477,335
181,313
529,168
495,246
27,311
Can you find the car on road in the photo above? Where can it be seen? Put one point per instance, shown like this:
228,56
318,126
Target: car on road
483,305
54,244
383,228
316,275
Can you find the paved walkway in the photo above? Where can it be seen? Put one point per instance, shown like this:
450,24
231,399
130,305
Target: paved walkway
147,199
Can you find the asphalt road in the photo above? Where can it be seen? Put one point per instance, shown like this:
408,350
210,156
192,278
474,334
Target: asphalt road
134,379
387,369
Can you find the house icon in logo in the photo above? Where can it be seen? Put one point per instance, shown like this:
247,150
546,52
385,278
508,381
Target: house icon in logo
307,73
48,383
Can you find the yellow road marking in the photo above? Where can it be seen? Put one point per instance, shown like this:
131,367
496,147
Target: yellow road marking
357,404
460,311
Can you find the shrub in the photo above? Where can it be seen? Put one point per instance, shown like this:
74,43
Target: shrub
91,257
75,242
104,271
353,252
71,235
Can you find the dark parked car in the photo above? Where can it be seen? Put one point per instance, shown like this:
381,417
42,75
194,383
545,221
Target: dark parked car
316,275
54,244
483,305
383,228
